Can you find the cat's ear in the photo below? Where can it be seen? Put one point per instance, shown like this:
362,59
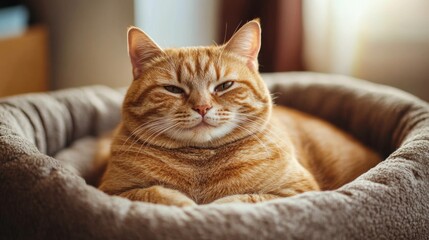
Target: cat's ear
141,49
246,42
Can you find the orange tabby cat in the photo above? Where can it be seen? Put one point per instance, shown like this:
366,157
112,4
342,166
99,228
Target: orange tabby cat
199,127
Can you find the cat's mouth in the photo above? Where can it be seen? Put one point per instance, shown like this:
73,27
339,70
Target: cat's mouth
201,132
202,125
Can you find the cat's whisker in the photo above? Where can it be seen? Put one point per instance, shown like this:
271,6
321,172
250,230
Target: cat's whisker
276,144
275,95
257,128
167,129
272,134
237,27
159,132
256,137
153,132
137,141
224,34
258,123
137,130
152,127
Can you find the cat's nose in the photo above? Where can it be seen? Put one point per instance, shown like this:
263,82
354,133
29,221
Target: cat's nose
202,109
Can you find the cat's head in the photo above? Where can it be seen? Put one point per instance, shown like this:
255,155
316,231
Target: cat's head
199,96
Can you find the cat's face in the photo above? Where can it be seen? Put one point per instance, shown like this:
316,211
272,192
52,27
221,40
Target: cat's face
199,97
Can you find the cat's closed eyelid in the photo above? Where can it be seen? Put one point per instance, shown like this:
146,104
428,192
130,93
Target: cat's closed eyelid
224,87
174,89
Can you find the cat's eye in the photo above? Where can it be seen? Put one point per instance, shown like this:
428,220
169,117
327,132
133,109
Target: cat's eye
174,89
223,86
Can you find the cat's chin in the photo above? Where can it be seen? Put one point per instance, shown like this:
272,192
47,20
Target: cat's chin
202,135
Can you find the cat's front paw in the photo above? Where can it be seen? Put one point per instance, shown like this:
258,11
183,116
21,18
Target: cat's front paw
233,199
159,195
245,198
179,202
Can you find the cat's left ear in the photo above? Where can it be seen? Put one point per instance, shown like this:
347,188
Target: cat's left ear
246,42
141,49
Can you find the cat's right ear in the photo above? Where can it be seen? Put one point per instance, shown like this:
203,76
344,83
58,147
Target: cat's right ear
141,49
246,42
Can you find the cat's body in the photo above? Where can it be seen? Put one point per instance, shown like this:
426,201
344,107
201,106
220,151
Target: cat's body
199,127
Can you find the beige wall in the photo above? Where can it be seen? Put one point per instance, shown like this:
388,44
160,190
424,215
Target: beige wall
382,42
88,37
394,47
87,41
179,23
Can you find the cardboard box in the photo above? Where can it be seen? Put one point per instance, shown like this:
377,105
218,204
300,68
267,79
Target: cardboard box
24,62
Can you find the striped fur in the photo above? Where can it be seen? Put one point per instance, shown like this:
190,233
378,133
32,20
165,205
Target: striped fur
243,149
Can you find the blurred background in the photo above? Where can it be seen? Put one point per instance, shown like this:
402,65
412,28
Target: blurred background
54,44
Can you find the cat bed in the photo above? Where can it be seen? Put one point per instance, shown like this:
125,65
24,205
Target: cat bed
47,143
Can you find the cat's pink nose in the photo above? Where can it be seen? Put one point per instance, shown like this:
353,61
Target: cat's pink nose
202,109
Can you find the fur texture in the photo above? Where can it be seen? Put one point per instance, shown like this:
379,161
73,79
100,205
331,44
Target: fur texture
199,127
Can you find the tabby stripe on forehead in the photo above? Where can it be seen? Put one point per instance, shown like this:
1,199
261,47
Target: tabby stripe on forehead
208,57
188,67
208,53
197,64
208,64
179,74
217,70
181,57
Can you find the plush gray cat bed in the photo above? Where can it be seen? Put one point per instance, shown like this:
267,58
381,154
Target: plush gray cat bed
46,150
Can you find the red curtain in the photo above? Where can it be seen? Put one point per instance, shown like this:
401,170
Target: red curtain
281,22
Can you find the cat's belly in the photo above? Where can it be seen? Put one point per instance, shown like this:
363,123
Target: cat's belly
255,177
249,169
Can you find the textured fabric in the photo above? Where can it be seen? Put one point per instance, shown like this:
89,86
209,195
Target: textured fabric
41,198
